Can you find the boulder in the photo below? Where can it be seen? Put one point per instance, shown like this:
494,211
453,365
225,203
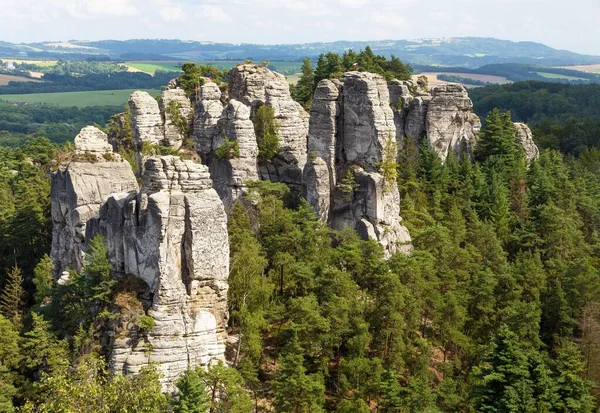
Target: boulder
92,140
524,137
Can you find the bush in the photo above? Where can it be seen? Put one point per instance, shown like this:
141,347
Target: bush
228,150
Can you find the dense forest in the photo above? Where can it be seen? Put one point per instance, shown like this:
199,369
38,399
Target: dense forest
563,117
495,310
101,81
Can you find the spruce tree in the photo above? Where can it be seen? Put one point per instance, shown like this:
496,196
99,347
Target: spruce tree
12,299
303,90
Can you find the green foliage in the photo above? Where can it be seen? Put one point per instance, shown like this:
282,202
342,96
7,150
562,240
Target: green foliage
333,65
348,184
12,298
266,128
228,150
42,279
303,90
217,389
388,165
176,118
146,322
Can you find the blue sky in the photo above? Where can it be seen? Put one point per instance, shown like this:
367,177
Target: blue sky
572,25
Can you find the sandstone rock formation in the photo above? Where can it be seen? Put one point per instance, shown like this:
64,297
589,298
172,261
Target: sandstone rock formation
78,189
173,236
443,117
146,121
174,101
209,110
351,131
254,86
525,138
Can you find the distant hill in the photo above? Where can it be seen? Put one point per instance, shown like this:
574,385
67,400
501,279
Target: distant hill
470,52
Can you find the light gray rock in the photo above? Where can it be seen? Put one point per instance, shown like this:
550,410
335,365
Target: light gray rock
172,235
368,120
351,125
208,111
415,120
230,175
173,136
92,140
451,125
255,86
78,189
525,138
146,120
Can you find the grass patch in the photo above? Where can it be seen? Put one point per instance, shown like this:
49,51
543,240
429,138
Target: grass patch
79,99
558,76
152,67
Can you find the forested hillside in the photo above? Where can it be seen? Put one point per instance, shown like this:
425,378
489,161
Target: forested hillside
495,310
563,117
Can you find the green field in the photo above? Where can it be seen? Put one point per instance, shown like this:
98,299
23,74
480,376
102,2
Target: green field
151,67
79,99
557,76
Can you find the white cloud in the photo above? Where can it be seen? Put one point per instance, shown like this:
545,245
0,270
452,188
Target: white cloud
213,14
172,14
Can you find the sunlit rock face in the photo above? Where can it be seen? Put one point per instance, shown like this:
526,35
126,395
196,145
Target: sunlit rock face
172,234
351,128
78,189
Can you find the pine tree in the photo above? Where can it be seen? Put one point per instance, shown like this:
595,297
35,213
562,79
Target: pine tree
573,391
192,396
303,90
12,299
507,385
9,362
293,390
42,279
321,71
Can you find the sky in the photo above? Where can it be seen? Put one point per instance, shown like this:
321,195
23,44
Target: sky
572,25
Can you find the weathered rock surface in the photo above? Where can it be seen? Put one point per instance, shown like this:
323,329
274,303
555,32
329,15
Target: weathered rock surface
92,140
209,110
230,175
172,235
146,120
443,117
255,86
173,135
351,128
451,124
78,189
525,138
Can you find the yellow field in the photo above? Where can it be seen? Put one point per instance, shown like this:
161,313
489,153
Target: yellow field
4,79
584,68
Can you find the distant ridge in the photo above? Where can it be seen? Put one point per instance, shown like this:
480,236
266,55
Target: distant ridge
456,51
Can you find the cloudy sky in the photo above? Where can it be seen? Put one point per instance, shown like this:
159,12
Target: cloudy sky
572,25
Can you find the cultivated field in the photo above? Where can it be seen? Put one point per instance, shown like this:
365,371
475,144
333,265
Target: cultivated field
4,79
434,81
584,68
558,76
174,66
80,99
43,63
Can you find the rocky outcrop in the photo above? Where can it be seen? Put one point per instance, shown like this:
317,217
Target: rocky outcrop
524,137
443,117
351,132
173,236
254,86
175,103
209,110
451,124
78,189
146,120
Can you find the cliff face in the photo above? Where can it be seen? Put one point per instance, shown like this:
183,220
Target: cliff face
78,190
351,133
172,235
525,138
